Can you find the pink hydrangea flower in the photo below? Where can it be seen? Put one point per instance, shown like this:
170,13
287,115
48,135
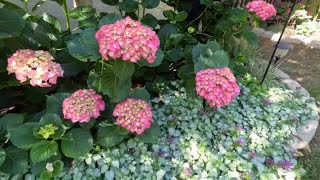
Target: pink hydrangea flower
218,86
82,105
36,66
262,9
134,115
128,39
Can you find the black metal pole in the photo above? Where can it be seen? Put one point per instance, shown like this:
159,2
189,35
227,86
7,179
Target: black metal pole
275,48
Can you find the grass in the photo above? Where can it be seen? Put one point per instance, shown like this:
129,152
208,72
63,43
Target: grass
311,163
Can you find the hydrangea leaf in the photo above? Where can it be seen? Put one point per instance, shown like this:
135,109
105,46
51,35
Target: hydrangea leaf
128,5
16,161
109,19
181,16
112,79
54,103
174,55
8,122
150,4
23,137
149,20
43,150
152,134
186,73
76,142
84,47
58,167
157,61
209,56
111,136
82,12
11,23
110,2
140,93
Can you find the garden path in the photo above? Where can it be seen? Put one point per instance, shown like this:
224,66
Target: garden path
303,65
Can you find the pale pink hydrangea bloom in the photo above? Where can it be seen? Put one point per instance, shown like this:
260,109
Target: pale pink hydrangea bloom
128,39
82,105
218,86
134,115
36,66
262,9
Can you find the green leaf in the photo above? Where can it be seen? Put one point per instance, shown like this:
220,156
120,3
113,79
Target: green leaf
50,118
76,142
23,137
208,56
8,122
11,23
149,20
151,135
16,161
70,65
88,125
37,168
54,103
181,16
150,4
250,36
174,55
84,47
82,12
219,59
111,136
45,175
52,20
37,5
157,61
140,93
2,156
186,73
239,15
57,168
110,2
169,14
112,79
128,5
109,19
43,150
89,41
207,3
165,32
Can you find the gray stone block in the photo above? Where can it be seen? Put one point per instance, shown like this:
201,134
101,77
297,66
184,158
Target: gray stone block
304,134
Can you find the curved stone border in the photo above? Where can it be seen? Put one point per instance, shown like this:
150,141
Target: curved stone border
295,39
305,133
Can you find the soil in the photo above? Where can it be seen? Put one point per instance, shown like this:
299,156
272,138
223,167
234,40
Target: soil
302,65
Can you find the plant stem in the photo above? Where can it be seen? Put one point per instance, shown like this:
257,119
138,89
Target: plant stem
143,12
198,17
65,11
26,6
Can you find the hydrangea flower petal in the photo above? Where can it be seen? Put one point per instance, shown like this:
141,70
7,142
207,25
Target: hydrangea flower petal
134,115
83,105
36,66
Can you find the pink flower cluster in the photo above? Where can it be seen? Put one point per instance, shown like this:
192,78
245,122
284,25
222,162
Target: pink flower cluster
82,105
36,66
134,115
262,9
218,86
128,39
285,164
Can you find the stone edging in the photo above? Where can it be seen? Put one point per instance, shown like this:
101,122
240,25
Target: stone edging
295,39
305,133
